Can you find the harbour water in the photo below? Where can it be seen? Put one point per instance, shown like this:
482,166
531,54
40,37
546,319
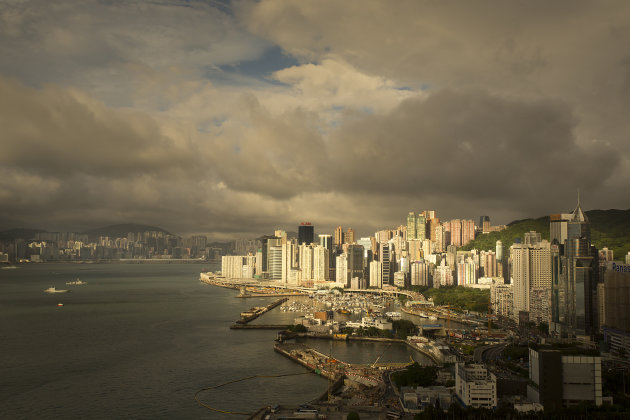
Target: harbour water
137,341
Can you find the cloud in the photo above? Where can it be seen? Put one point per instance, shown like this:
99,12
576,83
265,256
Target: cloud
178,114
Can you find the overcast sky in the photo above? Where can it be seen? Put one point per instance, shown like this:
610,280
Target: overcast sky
235,118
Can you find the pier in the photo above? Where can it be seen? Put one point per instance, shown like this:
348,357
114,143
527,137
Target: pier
257,311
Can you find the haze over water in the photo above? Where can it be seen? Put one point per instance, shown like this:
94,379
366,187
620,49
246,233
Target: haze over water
138,341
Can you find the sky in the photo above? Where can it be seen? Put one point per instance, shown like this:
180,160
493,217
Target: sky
234,118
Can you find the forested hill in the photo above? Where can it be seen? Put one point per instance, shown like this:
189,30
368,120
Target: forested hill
609,228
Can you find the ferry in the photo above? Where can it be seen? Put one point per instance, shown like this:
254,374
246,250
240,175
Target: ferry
52,289
76,283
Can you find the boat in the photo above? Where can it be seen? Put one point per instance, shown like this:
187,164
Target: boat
76,283
393,315
60,304
52,289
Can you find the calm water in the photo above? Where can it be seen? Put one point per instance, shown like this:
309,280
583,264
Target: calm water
138,341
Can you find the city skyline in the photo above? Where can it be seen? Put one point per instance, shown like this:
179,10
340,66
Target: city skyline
223,118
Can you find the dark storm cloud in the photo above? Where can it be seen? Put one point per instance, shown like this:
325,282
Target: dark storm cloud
56,131
152,112
470,145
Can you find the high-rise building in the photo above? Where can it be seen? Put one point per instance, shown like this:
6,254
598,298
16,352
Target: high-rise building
575,277
467,273
419,273
274,261
489,264
558,224
421,227
342,269
321,264
502,299
414,250
338,236
531,268
306,233
348,236
456,232
484,223
355,261
325,241
468,231
433,224
411,226
388,263
287,262
376,274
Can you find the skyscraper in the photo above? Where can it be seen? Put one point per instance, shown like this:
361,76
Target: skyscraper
306,233
575,277
348,236
531,267
338,236
411,226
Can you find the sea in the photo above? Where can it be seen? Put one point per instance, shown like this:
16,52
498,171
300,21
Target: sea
138,341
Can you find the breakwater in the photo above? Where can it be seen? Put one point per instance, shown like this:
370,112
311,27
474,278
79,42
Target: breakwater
257,311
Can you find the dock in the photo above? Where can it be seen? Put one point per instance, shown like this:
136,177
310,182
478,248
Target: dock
257,311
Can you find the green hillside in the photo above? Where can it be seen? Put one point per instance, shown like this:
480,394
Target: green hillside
609,228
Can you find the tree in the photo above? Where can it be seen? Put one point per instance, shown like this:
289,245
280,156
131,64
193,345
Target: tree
353,415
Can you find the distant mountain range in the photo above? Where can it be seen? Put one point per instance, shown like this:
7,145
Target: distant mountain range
113,231
609,228
118,231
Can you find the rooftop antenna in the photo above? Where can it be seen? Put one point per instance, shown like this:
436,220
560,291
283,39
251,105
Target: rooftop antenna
578,191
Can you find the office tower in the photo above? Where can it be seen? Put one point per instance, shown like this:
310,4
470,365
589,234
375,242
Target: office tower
421,227
355,261
325,241
531,269
306,233
560,378
427,247
576,274
338,236
467,231
342,269
376,274
348,236
274,261
558,225
411,226
387,261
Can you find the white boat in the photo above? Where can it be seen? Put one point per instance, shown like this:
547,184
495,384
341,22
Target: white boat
393,315
52,289
76,283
